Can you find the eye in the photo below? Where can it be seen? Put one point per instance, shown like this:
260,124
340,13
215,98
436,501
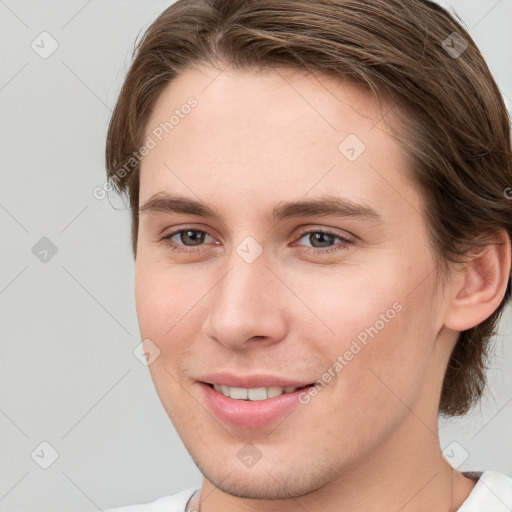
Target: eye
187,237
324,239
189,240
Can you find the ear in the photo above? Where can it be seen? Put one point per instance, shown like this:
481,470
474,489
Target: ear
476,289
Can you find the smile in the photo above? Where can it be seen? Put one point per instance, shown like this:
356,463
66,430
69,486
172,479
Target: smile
251,408
253,394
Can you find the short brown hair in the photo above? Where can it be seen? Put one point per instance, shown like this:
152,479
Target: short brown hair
411,52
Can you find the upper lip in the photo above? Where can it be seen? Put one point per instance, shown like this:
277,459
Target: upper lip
251,381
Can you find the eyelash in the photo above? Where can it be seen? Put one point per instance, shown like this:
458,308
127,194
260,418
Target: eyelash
311,250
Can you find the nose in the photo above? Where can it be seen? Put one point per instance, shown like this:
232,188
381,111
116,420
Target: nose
247,305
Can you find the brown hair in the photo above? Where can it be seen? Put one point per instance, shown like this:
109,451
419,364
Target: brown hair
409,51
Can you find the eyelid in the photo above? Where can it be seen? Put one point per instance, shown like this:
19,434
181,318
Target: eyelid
300,234
186,227
345,235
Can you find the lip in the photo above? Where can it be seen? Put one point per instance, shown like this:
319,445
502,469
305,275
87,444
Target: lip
247,413
251,381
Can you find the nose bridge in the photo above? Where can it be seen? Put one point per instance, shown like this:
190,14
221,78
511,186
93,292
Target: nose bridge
245,300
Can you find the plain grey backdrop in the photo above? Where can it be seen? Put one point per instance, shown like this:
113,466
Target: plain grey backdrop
82,428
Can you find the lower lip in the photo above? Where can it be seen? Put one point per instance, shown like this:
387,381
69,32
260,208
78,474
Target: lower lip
250,413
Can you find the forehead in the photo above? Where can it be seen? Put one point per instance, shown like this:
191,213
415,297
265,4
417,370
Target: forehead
254,136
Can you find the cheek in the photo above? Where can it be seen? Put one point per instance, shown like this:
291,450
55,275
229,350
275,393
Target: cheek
163,297
171,310
162,300
383,345
372,324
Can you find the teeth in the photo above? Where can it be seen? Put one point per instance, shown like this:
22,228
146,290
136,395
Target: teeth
257,394
238,393
274,391
253,394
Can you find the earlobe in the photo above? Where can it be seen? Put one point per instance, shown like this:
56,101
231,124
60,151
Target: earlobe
478,288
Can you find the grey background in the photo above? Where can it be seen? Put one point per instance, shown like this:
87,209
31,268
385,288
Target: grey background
68,373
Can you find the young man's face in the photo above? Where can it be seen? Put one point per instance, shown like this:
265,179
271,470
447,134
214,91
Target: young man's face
252,300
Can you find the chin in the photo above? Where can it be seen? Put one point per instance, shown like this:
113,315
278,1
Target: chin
261,487
264,481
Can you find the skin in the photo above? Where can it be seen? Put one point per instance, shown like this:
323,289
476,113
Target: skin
369,440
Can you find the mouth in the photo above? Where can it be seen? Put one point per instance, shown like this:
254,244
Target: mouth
251,408
255,394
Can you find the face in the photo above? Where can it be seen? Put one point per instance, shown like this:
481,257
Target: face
306,264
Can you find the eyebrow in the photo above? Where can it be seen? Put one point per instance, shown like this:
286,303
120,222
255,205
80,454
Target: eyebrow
163,202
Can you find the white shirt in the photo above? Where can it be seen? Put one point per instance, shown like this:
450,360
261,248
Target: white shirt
492,493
